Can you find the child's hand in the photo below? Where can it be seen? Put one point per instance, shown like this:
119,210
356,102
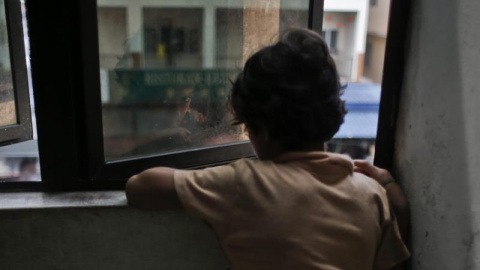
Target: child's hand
395,194
380,175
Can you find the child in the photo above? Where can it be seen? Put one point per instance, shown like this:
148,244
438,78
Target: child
297,207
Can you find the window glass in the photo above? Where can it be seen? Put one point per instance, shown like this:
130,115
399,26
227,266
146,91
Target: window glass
166,67
368,54
8,114
333,40
358,49
19,161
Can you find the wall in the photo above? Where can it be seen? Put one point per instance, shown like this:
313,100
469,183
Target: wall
261,22
58,231
378,18
438,154
361,8
112,25
374,70
345,23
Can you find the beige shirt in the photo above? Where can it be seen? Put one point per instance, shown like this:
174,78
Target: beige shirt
304,210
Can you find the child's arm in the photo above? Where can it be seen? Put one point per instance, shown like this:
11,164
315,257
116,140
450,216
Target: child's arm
153,189
395,194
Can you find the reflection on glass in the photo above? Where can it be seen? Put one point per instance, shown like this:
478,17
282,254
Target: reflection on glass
166,68
7,98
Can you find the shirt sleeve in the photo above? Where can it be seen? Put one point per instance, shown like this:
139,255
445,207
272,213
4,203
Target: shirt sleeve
391,251
208,194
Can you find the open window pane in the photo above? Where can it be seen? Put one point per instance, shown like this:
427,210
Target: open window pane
19,159
15,114
8,115
357,43
166,68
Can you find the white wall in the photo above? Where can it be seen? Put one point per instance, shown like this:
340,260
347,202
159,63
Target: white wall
112,24
378,18
438,152
345,23
361,8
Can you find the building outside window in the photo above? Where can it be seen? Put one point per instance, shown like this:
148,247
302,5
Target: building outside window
331,38
368,54
376,41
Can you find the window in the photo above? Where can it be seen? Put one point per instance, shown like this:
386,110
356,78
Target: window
15,119
368,54
360,65
16,159
331,38
393,70
93,105
132,71
168,90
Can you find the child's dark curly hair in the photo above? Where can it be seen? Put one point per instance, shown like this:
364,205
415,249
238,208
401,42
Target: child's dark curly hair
292,89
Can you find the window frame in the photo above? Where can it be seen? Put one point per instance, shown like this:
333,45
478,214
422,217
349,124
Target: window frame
22,130
70,138
331,39
70,146
392,82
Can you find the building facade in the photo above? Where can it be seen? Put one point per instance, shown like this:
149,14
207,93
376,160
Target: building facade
215,33
376,40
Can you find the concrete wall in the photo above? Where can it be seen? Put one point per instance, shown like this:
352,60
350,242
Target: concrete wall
261,22
360,7
345,23
374,69
112,33
378,18
71,236
438,153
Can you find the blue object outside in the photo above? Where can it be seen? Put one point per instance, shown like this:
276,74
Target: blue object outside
362,101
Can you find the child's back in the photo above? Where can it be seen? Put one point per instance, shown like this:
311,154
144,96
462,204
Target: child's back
304,210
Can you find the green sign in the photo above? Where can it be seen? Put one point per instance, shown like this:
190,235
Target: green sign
168,85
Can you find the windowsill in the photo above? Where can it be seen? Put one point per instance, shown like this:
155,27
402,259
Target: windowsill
42,200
